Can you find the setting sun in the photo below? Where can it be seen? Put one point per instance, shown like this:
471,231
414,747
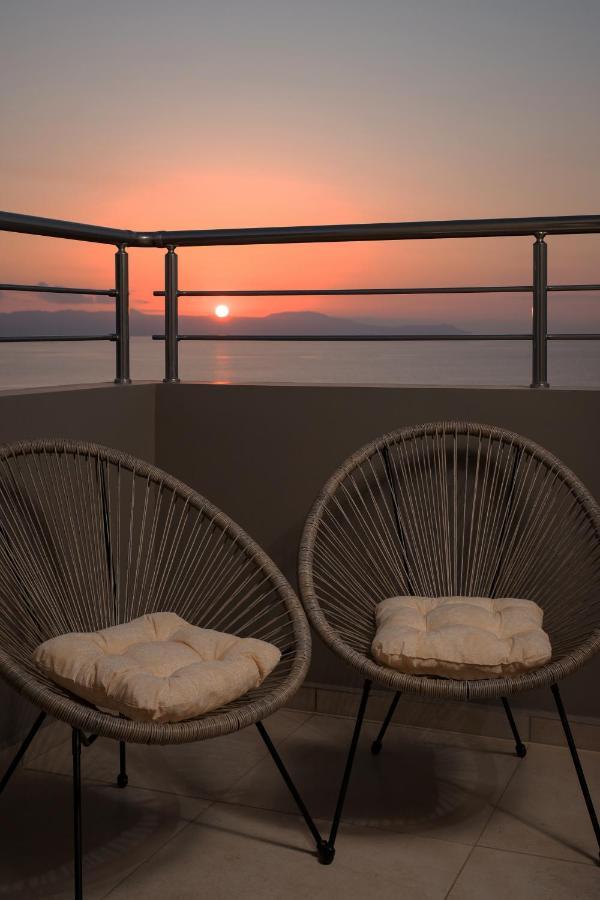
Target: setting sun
221,311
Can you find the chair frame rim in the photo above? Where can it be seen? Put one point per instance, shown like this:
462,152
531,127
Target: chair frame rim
427,685
87,718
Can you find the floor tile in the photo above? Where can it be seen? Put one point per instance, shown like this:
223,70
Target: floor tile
412,817
240,852
496,875
423,782
121,829
201,769
542,810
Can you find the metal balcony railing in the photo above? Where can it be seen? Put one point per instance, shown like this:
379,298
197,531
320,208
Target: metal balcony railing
538,228
120,292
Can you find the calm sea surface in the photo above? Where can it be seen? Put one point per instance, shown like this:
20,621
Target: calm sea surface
478,362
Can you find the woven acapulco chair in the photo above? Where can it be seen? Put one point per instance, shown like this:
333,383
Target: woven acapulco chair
453,508
91,537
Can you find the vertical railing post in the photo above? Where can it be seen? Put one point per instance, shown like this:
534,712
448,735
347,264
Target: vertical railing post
171,317
122,315
539,361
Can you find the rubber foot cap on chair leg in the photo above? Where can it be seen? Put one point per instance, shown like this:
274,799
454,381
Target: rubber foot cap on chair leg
325,852
521,750
376,748
122,780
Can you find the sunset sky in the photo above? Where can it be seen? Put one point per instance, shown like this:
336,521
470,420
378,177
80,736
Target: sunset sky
191,114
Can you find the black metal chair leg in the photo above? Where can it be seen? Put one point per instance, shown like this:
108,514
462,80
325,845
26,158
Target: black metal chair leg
520,748
378,742
122,779
577,762
291,786
22,751
77,854
327,852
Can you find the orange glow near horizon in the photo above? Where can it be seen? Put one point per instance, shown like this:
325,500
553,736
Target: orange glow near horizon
244,197
264,114
400,264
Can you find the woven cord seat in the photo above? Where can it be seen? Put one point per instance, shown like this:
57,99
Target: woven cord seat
92,537
453,509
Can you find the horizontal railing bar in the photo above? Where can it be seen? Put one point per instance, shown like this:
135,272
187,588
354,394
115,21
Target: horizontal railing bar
573,287
349,292
371,231
75,231
347,337
573,337
381,231
40,338
46,289
307,337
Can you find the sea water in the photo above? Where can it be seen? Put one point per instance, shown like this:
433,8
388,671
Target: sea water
570,363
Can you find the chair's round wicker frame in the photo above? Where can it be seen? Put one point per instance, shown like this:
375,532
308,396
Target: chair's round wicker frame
77,713
439,687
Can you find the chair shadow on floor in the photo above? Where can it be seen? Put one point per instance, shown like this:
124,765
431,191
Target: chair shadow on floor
248,834
121,830
416,785
419,785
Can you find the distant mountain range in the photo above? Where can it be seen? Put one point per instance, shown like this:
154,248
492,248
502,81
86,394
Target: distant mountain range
71,322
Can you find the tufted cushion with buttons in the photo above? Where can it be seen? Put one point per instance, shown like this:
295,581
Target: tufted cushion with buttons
157,667
460,637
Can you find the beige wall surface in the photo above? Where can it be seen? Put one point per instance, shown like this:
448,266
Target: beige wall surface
116,415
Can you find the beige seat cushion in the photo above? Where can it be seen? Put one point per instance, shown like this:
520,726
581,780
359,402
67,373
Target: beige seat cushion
157,667
460,637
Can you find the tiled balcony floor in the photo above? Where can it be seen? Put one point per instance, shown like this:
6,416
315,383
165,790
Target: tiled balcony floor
435,815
